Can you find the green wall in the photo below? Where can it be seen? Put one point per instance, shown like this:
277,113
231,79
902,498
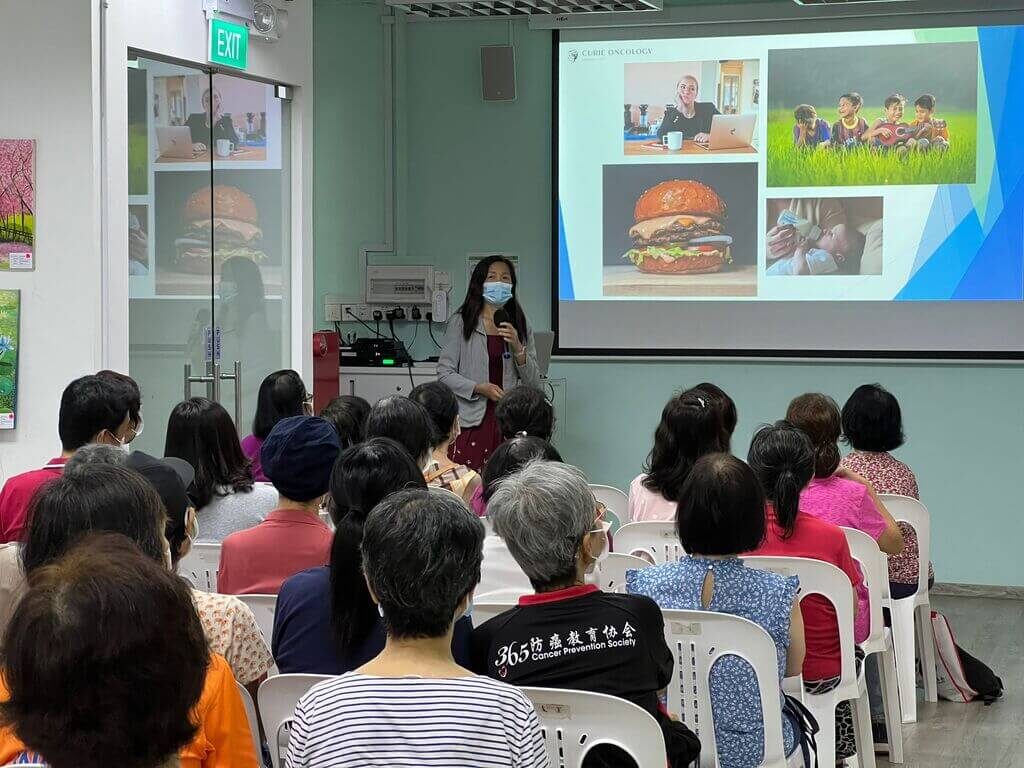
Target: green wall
477,176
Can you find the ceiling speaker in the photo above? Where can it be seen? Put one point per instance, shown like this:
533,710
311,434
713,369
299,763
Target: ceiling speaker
498,72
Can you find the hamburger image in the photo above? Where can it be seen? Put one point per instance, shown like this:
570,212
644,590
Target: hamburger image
220,222
678,230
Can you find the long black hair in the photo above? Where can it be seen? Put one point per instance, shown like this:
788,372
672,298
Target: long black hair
782,457
282,394
690,427
441,406
202,433
363,476
473,304
511,456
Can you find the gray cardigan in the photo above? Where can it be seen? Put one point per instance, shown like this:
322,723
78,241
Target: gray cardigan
463,364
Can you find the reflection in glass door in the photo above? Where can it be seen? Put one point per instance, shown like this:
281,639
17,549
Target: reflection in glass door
209,245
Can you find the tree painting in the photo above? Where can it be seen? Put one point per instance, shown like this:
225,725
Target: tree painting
10,307
17,203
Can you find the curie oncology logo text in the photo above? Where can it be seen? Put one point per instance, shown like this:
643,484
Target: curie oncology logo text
603,53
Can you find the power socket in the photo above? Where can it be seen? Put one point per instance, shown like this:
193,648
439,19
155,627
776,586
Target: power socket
416,314
332,313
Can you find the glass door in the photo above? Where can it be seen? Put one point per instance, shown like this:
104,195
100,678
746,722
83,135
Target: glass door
209,238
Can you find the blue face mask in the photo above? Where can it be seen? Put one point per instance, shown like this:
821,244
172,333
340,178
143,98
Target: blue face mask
497,293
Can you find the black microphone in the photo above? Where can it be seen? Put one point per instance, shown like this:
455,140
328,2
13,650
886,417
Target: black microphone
501,316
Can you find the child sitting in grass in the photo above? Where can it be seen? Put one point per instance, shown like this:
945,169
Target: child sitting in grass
838,249
930,133
848,131
885,127
810,131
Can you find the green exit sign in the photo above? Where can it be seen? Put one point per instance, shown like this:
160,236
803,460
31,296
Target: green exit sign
229,44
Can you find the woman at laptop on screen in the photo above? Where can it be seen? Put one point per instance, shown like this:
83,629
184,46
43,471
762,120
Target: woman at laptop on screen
488,349
689,116
199,123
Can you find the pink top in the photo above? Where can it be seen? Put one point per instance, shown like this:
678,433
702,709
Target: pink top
842,502
16,495
255,561
251,447
648,505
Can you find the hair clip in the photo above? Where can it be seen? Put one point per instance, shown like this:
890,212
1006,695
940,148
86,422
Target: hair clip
701,401
522,433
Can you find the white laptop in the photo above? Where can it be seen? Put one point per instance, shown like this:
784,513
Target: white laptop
175,141
731,132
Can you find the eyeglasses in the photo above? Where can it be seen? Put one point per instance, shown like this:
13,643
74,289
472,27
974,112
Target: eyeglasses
603,526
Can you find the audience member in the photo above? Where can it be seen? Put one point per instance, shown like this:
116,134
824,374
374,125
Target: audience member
129,390
282,394
326,622
873,426
202,433
547,515
721,515
525,412
347,414
442,407
783,460
506,459
405,422
421,556
690,427
836,495
297,456
103,664
93,409
724,407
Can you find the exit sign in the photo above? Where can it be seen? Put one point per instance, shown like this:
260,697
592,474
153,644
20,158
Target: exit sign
229,44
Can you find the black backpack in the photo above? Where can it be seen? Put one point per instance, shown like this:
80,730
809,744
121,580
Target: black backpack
982,679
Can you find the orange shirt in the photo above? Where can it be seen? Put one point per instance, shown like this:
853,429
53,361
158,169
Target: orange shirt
223,740
938,133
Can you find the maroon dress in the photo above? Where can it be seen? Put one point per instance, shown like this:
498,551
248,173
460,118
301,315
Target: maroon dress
473,447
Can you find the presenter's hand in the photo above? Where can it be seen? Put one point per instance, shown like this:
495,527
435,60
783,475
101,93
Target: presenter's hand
781,241
490,391
702,138
199,147
508,332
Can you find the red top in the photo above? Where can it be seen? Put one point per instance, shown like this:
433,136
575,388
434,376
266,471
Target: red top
817,540
18,492
257,560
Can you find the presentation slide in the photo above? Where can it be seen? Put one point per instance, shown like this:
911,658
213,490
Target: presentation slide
829,193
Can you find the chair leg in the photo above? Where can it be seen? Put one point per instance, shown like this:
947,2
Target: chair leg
891,698
862,731
902,612
927,644
823,708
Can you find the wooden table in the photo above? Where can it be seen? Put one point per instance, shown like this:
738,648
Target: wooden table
690,147
245,154
629,281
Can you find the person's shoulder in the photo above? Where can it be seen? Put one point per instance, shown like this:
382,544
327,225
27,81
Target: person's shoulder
307,583
504,695
820,530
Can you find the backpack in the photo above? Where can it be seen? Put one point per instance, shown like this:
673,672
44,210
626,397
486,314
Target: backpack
961,677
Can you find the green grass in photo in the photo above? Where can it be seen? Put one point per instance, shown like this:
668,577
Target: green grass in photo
138,159
790,166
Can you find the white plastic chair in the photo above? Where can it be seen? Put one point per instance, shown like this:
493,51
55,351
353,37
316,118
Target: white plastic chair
574,722
697,640
614,500
875,569
254,722
912,616
611,572
657,540
821,578
200,566
486,607
278,696
263,608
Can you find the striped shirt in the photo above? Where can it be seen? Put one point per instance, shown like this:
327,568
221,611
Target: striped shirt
361,720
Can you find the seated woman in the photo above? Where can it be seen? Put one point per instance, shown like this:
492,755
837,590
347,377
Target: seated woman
689,428
421,557
201,432
548,516
326,622
525,412
725,407
347,414
506,459
104,629
442,407
282,394
404,421
116,499
873,426
721,515
783,460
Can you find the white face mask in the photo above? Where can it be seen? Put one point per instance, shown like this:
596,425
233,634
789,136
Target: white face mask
600,534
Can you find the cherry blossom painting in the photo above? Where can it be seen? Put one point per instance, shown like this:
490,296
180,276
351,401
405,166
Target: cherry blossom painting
17,203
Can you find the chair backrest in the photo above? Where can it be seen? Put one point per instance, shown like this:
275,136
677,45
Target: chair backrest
250,715
614,501
874,567
278,696
912,512
200,566
493,604
820,578
263,608
574,722
611,572
697,640
658,540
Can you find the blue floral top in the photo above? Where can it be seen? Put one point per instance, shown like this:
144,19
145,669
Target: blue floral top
762,597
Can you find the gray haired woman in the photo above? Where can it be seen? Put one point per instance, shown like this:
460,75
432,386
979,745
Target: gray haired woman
570,634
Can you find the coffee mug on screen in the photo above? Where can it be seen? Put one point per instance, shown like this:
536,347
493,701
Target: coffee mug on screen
673,140
225,147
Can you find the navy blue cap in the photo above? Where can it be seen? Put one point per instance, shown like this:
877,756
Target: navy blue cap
298,456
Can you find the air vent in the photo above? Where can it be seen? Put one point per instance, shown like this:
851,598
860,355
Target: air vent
452,9
844,2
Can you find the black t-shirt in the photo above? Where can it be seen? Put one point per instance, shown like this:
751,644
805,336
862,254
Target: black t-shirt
675,120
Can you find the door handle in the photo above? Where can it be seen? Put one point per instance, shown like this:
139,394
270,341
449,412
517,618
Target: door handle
189,380
212,380
236,377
